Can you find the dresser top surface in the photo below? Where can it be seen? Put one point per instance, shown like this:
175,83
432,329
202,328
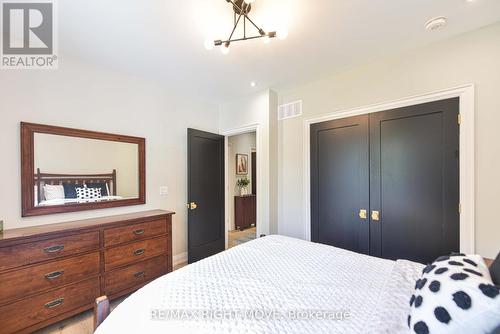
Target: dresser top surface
32,231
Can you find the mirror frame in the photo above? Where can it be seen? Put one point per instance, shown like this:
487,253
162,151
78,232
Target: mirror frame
28,131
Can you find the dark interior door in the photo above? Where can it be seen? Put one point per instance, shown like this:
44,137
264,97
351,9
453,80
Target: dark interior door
340,183
206,235
415,181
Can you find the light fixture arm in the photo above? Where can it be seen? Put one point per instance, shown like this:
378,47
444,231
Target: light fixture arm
243,10
235,25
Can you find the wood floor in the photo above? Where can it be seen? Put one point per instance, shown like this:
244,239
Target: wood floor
82,323
237,237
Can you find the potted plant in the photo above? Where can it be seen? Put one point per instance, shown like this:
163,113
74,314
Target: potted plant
243,183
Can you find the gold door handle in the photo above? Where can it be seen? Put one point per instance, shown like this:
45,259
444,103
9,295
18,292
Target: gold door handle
363,214
192,206
375,215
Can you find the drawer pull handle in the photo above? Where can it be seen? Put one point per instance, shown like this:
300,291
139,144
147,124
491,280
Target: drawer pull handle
139,251
139,232
54,274
54,303
53,249
140,274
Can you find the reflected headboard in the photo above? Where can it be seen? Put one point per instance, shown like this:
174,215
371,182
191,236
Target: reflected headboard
42,179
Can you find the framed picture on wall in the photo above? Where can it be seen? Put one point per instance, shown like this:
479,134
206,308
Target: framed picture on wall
241,164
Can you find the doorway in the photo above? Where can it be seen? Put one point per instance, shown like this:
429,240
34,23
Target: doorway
241,178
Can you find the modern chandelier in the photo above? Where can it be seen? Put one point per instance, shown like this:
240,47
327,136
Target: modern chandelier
241,10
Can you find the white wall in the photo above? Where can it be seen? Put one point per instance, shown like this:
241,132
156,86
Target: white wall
239,144
81,96
471,58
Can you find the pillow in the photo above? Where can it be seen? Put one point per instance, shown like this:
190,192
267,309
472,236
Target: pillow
70,190
53,192
495,270
455,294
88,193
103,186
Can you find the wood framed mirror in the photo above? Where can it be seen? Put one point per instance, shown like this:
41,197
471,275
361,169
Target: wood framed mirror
67,170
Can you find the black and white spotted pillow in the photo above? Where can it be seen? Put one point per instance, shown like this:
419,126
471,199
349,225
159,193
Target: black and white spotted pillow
455,294
88,193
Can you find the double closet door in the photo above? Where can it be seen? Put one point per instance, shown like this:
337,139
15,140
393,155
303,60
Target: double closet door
387,183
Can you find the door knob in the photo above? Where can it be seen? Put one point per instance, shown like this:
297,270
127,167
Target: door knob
363,214
375,215
192,206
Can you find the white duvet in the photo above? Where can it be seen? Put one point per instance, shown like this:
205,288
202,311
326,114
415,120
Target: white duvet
274,284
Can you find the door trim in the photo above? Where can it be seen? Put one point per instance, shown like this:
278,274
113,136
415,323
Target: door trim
260,204
466,93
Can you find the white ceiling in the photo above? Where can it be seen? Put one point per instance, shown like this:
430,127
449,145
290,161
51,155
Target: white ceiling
163,39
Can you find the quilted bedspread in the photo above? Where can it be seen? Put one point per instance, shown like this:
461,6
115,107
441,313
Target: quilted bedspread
273,284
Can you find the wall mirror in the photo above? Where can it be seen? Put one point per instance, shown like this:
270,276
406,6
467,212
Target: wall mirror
66,170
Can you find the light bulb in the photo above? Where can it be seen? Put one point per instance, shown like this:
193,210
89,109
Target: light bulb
253,84
209,44
249,2
224,49
267,39
282,33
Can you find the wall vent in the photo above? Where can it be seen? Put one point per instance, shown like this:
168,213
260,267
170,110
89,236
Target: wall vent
290,110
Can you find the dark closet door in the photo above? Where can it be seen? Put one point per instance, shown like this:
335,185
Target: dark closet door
340,183
206,235
414,174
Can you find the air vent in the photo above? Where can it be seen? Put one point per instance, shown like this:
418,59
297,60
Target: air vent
290,110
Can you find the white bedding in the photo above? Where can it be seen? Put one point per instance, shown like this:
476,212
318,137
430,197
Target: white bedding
63,201
263,283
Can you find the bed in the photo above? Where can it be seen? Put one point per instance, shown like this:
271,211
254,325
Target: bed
43,179
274,284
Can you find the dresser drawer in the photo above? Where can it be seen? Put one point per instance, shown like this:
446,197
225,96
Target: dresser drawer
120,235
24,282
30,311
19,255
121,255
135,274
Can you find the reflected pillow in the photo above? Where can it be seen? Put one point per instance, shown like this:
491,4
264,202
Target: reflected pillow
88,193
70,190
53,192
102,186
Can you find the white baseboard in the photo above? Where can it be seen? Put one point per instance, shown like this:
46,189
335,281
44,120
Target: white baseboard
180,258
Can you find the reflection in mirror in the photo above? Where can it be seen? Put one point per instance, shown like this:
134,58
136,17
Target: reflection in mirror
72,170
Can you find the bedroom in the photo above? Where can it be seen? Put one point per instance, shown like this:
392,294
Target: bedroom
142,70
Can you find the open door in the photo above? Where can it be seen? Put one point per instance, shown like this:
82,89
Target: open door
206,200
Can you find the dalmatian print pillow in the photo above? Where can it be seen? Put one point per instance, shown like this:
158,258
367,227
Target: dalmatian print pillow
88,193
455,294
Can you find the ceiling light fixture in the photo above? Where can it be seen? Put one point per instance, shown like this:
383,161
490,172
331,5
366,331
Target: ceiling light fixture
241,9
253,84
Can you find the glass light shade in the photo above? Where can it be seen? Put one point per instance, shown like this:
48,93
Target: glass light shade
282,33
224,49
209,44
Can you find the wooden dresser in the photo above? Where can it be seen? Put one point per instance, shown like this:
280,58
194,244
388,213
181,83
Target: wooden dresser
51,272
245,214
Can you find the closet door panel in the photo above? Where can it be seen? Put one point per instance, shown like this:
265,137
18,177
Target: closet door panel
414,181
340,183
